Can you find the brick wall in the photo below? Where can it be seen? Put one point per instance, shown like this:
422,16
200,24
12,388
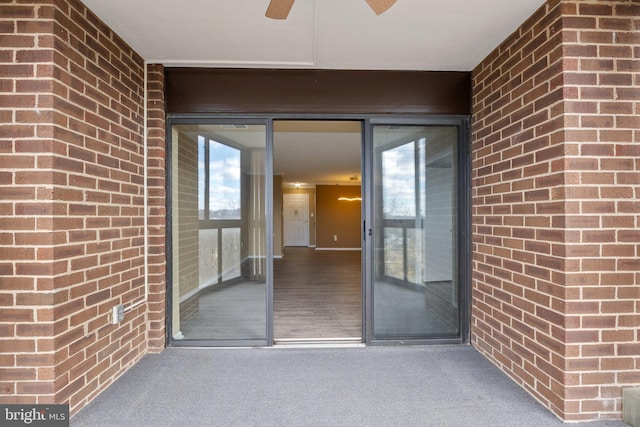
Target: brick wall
555,212
602,145
26,206
71,225
156,196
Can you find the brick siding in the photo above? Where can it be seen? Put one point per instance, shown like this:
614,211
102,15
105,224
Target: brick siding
156,197
71,214
555,182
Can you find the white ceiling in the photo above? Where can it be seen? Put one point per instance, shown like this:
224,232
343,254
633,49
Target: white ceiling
435,35
317,152
453,35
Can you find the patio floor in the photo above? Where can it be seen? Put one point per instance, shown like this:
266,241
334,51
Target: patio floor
290,386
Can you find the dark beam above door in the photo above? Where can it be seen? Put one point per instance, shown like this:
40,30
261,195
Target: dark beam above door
266,91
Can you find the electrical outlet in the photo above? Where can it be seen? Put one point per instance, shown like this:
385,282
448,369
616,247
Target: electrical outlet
117,314
335,237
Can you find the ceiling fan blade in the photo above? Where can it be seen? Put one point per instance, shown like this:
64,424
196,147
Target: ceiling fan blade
279,9
380,6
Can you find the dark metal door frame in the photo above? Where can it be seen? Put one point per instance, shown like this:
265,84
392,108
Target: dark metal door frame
464,223
368,121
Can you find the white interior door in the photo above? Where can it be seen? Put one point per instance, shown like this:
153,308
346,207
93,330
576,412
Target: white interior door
296,219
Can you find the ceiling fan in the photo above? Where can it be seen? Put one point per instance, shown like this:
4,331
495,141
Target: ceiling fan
279,9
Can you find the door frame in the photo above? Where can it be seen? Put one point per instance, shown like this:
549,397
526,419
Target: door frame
463,182
367,188
169,303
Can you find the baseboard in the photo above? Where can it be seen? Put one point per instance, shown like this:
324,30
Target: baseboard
338,249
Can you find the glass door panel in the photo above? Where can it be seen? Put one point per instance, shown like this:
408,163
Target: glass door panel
415,234
218,220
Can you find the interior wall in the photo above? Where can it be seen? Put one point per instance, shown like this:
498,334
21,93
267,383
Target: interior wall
338,218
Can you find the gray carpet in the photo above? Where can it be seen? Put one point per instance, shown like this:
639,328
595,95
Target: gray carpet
365,386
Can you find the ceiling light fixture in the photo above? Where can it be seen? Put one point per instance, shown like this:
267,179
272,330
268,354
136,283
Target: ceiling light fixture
350,199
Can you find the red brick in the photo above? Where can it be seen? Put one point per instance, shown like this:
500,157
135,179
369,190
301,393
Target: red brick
63,97
591,130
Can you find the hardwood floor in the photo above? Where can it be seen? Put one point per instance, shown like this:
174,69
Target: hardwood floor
317,295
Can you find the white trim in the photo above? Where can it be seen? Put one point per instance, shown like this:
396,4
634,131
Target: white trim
338,249
234,63
339,342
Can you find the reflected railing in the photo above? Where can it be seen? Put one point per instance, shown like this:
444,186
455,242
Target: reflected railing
406,264
403,251
220,255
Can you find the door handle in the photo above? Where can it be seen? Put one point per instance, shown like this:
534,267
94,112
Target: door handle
364,228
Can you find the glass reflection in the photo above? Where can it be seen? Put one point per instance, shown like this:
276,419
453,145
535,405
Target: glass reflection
218,232
415,290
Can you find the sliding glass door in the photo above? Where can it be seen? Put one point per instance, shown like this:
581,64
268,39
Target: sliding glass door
218,214
416,233
224,217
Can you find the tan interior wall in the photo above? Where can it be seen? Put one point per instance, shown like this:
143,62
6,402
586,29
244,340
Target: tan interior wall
337,217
